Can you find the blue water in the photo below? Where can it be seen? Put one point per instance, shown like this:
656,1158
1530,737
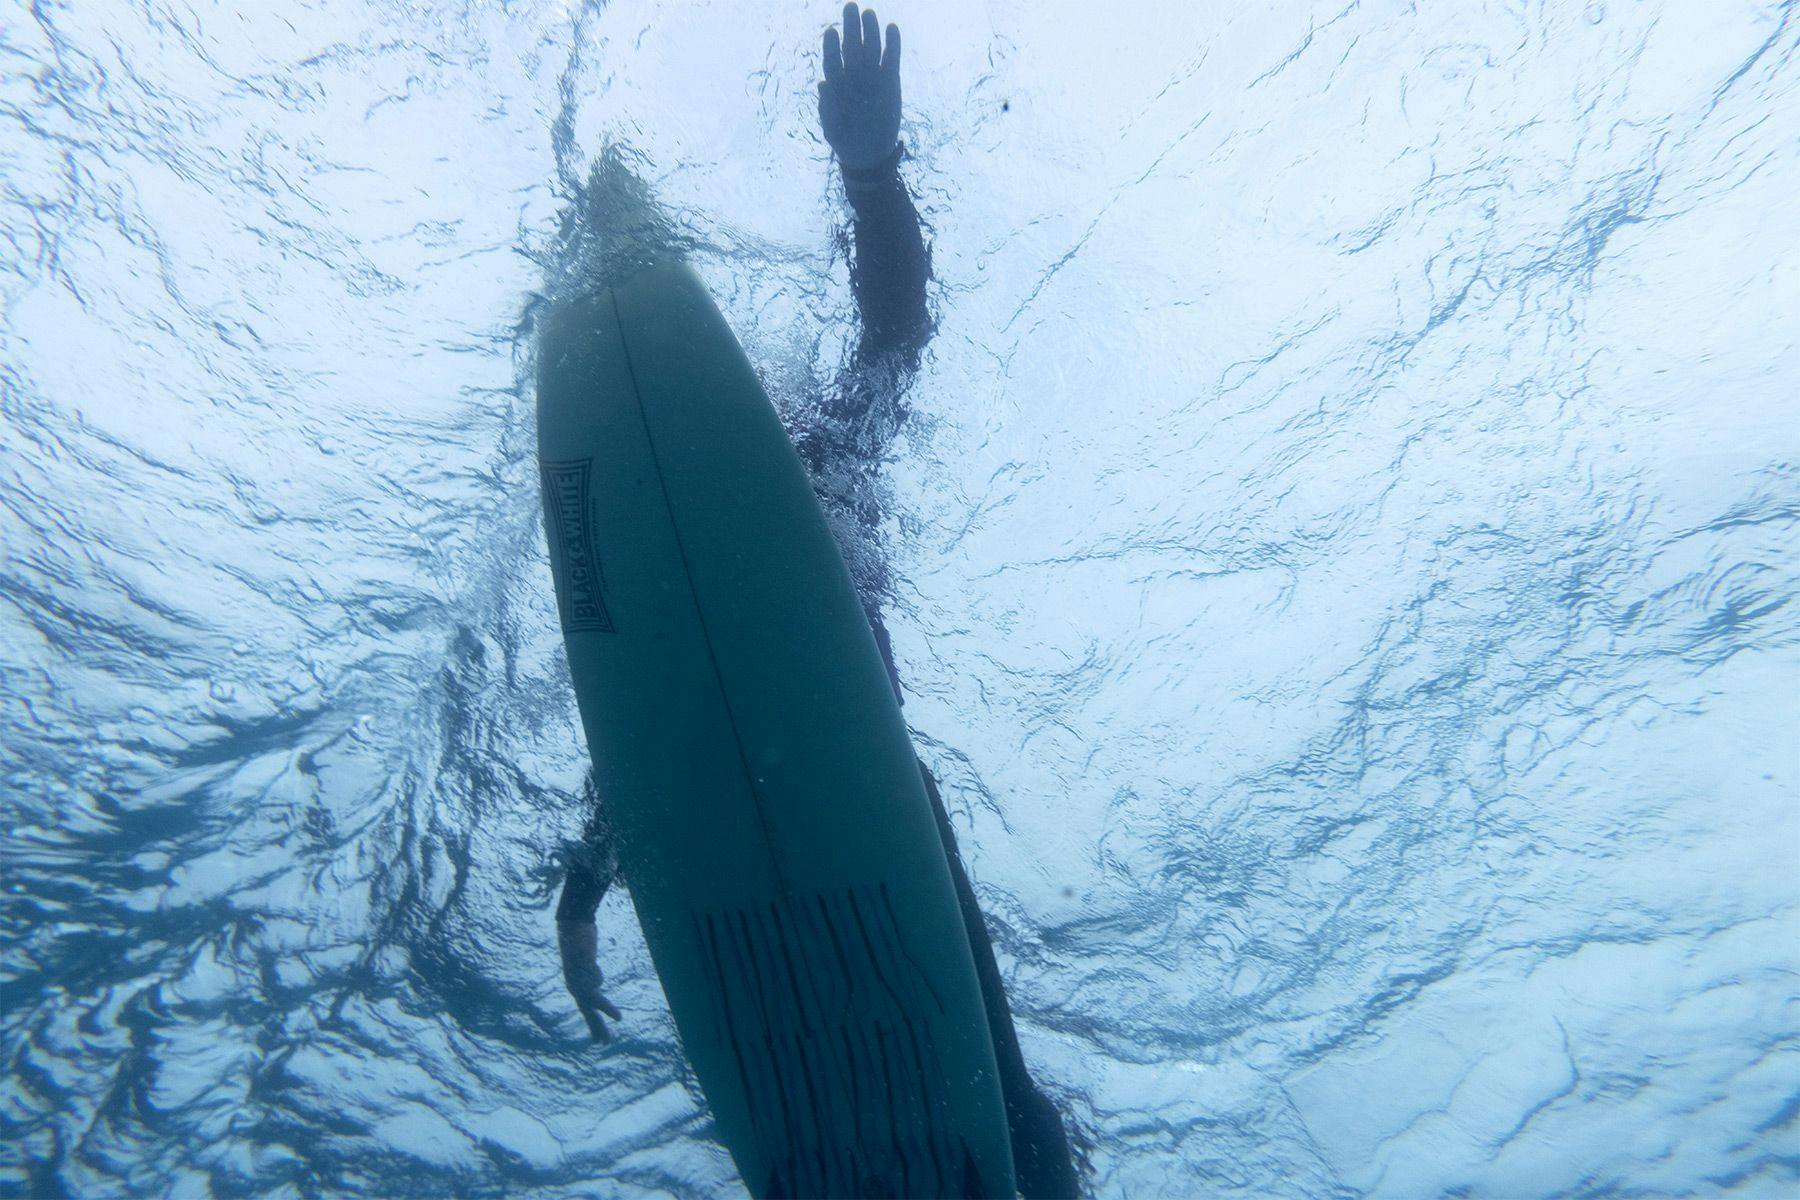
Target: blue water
1346,548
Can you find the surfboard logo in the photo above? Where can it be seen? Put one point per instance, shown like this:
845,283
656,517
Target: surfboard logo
569,520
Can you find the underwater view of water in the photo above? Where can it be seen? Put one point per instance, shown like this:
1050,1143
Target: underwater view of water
1345,552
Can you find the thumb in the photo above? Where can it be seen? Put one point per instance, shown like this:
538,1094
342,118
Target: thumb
596,1027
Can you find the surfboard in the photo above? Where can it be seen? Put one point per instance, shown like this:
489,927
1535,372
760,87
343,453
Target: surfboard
773,826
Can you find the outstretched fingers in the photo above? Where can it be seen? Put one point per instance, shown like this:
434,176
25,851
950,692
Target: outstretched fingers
890,58
596,1027
592,1002
853,39
871,40
578,943
591,1006
858,48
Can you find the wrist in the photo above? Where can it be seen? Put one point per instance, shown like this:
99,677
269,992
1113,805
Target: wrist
577,939
878,175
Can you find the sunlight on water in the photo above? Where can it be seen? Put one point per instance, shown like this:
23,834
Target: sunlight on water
1345,545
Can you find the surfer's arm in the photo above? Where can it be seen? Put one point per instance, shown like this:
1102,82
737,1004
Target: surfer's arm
891,263
859,112
592,869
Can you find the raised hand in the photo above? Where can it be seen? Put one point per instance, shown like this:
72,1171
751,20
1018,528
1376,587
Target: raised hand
859,100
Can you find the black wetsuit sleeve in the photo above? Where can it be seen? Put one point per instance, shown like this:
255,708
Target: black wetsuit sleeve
891,264
889,269
593,865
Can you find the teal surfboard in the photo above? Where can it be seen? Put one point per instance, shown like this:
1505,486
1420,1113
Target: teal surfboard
773,826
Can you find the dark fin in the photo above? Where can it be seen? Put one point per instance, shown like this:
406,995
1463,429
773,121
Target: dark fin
973,1188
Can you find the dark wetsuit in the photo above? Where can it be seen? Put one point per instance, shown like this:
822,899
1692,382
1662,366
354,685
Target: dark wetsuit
888,273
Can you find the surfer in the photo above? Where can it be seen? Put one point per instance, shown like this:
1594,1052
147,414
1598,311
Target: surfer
859,112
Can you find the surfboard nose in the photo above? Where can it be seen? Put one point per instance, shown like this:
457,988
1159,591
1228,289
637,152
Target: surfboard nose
616,228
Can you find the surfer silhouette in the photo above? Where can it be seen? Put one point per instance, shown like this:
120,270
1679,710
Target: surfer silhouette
890,265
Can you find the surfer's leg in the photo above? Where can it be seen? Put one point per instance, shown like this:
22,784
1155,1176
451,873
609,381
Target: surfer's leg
1041,1159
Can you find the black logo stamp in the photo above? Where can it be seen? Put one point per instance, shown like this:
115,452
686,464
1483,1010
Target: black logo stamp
580,586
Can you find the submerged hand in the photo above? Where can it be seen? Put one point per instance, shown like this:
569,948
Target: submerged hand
579,944
859,101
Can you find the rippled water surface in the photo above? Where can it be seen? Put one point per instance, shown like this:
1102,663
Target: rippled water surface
1347,546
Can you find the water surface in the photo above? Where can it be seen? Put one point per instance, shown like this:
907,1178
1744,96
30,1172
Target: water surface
1346,545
